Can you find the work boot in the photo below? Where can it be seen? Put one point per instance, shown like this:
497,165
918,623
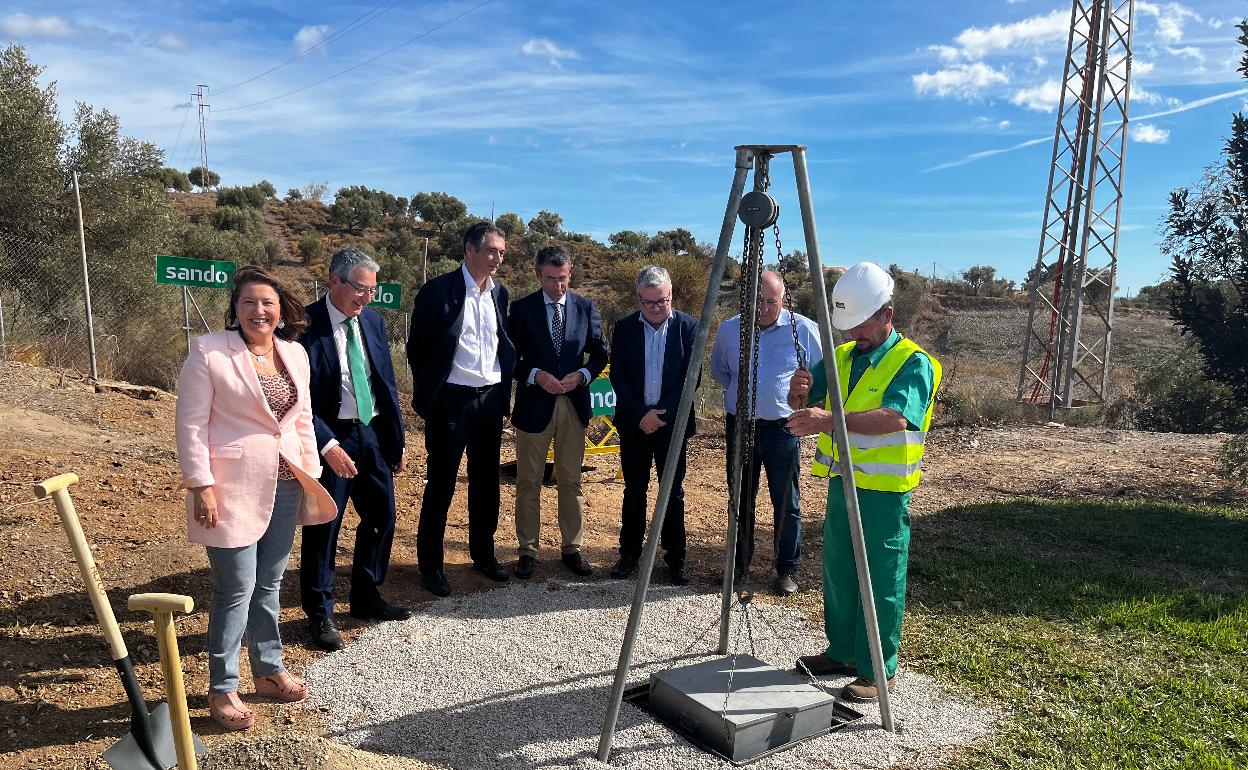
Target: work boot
822,665
785,585
862,690
624,567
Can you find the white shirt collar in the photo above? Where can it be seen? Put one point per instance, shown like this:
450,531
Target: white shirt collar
562,301
336,316
471,282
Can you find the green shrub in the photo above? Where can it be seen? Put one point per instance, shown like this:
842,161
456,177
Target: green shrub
1175,396
243,197
311,247
247,221
1233,459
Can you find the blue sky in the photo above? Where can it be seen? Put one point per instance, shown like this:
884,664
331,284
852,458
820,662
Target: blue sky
624,115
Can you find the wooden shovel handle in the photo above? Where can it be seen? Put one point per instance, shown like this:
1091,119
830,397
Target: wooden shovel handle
160,603
57,488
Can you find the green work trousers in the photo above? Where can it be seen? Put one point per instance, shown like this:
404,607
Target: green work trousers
886,530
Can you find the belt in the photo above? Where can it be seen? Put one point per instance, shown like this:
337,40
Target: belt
471,388
349,420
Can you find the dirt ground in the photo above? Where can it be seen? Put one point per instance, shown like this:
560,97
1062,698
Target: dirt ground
61,703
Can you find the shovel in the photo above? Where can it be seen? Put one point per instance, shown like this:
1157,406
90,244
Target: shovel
149,745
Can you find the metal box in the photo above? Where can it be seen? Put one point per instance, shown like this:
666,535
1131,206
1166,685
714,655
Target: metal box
766,710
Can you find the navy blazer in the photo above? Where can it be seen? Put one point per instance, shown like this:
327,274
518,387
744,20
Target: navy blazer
628,369
530,333
326,376
437,319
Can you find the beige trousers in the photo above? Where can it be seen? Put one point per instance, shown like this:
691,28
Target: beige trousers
568,433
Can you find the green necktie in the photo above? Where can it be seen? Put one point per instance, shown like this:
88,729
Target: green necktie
359,373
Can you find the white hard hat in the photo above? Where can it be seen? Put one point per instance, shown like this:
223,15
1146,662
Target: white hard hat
862,290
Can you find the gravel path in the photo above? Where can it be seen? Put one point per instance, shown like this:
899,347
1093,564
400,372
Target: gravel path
519,677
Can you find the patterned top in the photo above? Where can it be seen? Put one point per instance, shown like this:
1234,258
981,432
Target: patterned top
279,391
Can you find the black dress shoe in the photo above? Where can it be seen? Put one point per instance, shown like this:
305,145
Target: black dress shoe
577,564
679,573
324,634
435,583
524,567
380,609
624,567
493,570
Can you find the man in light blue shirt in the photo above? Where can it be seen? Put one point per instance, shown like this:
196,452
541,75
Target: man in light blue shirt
775,448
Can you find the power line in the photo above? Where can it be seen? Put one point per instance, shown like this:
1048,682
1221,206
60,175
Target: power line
178,141
387,52
356,23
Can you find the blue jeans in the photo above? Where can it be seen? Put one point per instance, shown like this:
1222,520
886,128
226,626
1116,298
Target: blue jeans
777,450
245,585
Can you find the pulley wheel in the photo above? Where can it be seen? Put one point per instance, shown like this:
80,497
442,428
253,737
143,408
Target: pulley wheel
758,209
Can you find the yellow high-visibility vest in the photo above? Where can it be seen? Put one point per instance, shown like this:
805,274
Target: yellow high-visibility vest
891,462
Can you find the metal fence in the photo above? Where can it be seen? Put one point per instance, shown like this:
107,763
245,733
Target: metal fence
140,327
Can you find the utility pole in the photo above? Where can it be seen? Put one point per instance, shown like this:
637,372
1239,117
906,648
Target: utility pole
203,130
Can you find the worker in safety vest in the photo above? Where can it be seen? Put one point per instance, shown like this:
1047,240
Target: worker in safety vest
888,385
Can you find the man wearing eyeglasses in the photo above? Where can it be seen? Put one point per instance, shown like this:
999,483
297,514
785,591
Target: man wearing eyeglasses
650,352
775,448
359,432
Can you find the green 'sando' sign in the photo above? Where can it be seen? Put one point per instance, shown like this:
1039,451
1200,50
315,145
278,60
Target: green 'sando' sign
388,296
180,271
602,397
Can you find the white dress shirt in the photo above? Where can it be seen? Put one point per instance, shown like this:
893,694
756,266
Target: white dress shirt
562,302
347,409
476,352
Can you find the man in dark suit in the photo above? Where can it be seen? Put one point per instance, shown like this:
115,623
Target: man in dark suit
560,350
650,352
462,362
359,432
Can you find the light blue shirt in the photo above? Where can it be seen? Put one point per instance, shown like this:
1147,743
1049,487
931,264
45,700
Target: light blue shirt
656,346
550,325
777,361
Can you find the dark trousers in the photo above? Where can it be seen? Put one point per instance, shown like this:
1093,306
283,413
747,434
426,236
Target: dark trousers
638,452
776,449
471,420
372,493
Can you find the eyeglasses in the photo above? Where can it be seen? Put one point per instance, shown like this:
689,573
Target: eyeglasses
361,291
651,304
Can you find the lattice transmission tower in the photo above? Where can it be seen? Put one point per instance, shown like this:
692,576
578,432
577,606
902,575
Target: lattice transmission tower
203,129
1070,319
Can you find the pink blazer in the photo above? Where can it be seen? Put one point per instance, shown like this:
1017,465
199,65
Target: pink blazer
229,438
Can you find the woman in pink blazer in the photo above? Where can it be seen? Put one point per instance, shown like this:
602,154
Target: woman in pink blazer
249,462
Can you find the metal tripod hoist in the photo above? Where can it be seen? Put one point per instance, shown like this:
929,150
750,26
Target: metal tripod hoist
758,210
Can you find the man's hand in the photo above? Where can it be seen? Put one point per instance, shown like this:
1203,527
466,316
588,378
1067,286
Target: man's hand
799,388
547,382
340,462
808,422
651,422
205,506
402,466
571,381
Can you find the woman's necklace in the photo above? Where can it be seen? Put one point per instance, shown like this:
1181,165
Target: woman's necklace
260,356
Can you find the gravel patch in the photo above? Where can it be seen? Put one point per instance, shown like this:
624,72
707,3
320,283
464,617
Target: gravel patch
519,677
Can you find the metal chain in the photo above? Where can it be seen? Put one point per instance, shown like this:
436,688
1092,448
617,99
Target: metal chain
800,665
788,302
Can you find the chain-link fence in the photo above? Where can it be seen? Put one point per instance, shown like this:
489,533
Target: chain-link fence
140,327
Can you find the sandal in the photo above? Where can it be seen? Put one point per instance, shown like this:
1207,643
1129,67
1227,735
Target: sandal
228,711
282,686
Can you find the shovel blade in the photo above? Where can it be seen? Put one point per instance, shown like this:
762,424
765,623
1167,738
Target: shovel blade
128,754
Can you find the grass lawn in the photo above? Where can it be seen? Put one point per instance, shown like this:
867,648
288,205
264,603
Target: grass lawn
1114,634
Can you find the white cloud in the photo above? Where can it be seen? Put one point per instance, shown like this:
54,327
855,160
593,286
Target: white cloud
21,25
540,46
309,37
1141,67
169,42
1042,98
977,42
1003,125
1170,18
967,81
947,53
1146,133
493,140
1190,51
1141,95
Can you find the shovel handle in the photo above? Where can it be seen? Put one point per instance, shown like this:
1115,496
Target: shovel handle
57,488
155,603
